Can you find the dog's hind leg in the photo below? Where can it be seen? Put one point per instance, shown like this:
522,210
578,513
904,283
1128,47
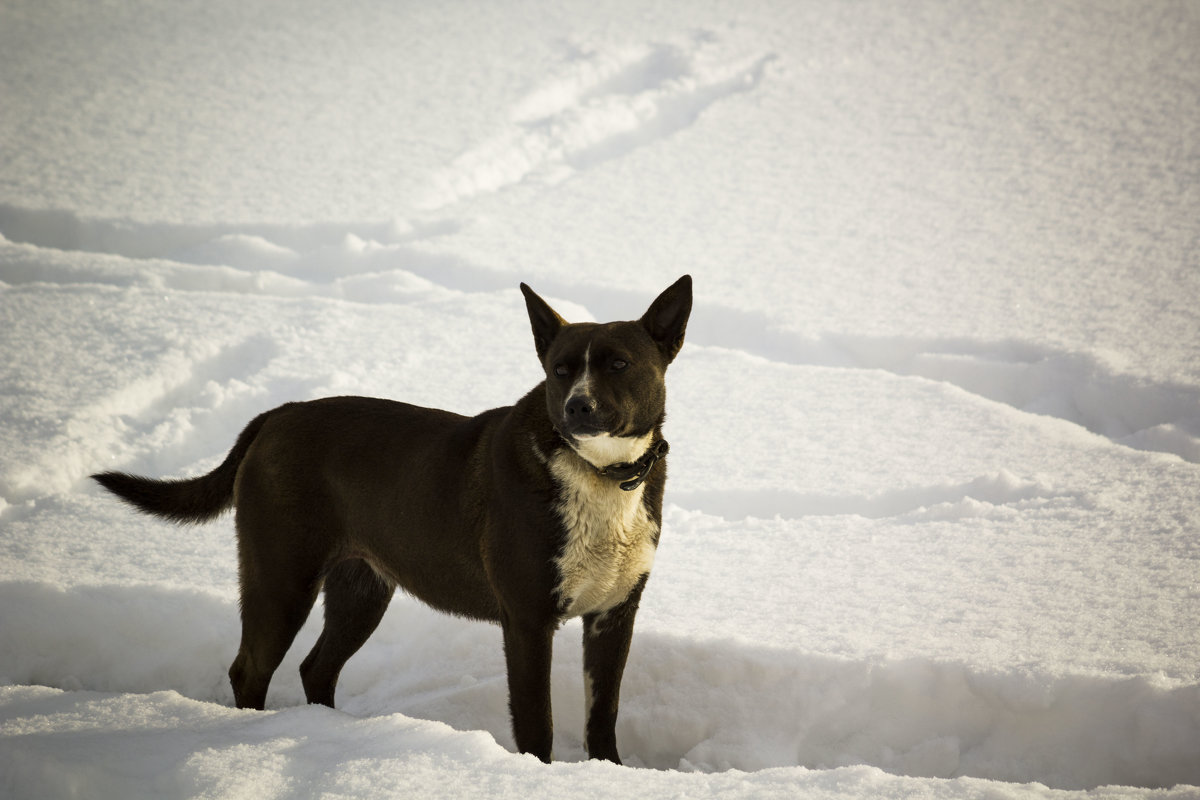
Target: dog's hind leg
271,618
355,601
272,615
280,566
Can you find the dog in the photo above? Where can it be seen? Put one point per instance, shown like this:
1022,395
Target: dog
526,515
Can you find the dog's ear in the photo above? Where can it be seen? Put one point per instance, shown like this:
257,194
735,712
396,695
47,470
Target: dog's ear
667,318
545,321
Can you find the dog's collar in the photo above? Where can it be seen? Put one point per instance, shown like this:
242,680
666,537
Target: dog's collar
633,474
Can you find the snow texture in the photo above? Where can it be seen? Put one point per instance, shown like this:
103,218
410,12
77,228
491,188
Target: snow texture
933,524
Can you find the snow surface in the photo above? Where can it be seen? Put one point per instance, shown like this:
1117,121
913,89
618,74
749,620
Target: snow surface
933,524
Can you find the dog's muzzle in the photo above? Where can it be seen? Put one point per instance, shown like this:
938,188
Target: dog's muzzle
582,417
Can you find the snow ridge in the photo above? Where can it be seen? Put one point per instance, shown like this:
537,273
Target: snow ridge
981,495
748,709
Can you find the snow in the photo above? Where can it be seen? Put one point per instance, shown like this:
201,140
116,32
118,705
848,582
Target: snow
932,525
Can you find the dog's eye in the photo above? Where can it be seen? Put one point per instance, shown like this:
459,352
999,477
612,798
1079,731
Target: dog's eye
561,370
618,365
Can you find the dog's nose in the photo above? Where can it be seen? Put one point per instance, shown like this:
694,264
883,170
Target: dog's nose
579,406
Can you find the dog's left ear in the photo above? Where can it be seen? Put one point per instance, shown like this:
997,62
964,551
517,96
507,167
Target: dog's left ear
667,318
545,321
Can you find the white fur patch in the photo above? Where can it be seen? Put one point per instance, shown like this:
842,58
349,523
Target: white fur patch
583,385
603,449
610,538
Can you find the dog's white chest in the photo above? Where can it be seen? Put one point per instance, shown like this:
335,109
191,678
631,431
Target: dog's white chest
610,538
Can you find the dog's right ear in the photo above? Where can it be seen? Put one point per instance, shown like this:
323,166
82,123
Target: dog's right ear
545,321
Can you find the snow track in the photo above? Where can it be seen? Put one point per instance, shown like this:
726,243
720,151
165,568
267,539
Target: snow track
603,106
383,262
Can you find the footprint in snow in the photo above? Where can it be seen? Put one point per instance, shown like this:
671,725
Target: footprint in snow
603,105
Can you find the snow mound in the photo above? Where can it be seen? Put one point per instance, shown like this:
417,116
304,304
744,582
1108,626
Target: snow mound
688,705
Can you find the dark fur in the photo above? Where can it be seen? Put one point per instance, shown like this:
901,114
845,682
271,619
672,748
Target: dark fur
359,495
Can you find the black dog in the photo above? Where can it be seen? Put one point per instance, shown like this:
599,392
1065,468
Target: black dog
526,515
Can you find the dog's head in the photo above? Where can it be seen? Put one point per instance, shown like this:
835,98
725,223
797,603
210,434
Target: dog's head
604,382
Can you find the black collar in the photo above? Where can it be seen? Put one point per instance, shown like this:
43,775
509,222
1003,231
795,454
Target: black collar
632,475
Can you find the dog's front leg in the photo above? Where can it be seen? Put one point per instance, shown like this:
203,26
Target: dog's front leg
606,639
527,653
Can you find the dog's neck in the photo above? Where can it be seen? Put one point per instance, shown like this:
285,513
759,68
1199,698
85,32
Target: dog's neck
604,450
627,459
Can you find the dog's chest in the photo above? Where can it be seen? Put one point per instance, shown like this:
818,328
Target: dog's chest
610,540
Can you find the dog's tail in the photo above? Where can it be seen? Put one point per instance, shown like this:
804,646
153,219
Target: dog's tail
197,499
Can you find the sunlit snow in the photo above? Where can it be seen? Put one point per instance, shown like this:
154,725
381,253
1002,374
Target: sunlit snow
933,521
